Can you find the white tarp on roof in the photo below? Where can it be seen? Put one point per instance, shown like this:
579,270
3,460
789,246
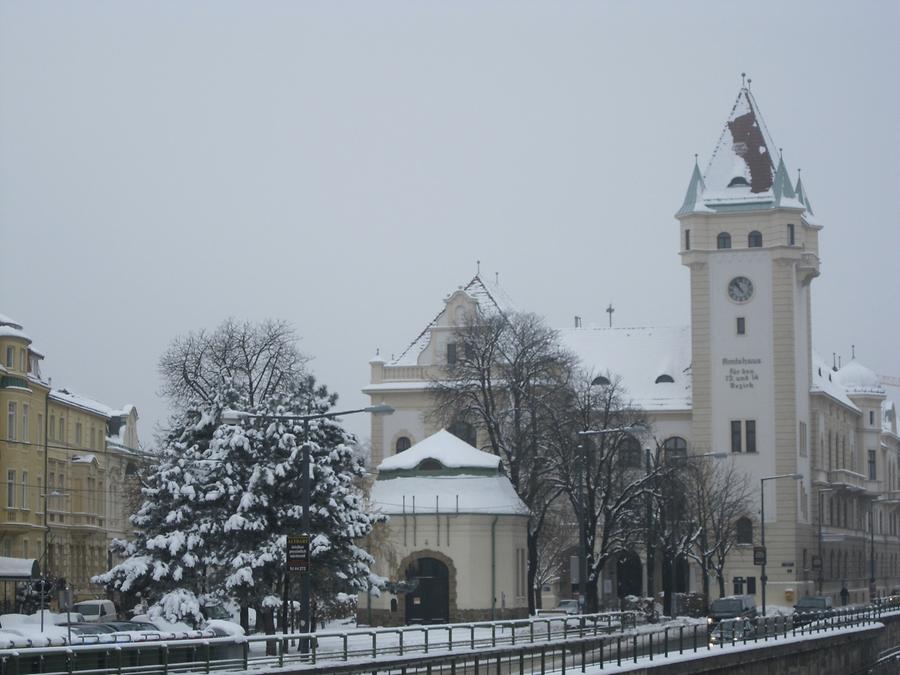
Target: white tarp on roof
452,452
639,356
489,495
18,568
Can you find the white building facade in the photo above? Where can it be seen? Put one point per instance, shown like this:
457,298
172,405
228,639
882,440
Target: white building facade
741,378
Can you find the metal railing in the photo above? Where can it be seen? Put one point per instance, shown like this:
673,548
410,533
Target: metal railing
540,644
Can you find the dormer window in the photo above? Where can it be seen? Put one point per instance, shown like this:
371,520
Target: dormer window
664,378
738,181
723,240
600,381
754,239
430,464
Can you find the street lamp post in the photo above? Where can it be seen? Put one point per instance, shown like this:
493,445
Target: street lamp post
872,553
821,577
762,526
233,417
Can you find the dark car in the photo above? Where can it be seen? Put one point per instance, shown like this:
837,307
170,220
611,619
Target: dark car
88,628
732,607
812,607
137,626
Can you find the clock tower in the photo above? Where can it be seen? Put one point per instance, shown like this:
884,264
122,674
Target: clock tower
750,241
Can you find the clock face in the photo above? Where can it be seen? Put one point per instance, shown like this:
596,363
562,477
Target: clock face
740,289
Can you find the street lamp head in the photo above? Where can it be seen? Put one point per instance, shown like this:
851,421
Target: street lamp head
380,409
715,455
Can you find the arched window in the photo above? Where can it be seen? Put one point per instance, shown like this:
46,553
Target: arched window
403,443
630,452
754,239
664,378
464,431
599,380
723,240
675,447
430,464
744,530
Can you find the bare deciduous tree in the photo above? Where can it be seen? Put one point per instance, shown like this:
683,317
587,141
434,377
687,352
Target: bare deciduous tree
258,359
509,376
559,538
719,494
602,474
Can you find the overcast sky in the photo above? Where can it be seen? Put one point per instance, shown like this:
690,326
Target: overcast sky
165,165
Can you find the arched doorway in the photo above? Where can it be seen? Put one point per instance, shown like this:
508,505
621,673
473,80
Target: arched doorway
429,599
628,574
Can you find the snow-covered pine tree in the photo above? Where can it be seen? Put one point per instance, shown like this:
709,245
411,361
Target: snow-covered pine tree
171,552
222,499
264,503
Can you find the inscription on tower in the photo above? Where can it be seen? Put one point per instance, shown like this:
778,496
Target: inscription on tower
740,373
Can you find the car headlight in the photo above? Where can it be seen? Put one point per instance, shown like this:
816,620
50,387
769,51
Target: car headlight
709,621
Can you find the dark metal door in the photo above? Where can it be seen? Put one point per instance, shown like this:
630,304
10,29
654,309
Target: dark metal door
429,600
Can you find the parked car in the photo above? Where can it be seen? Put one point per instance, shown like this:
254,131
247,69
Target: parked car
96,611
811,607
569,606
81,628
732,607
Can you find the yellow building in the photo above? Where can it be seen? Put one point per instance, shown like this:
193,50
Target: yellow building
67,469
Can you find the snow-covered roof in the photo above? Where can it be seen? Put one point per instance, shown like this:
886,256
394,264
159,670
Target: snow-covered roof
640,356
489,495
743,171
12,331
18,568
824,381
7,321
490,298
859,380
66,396
444,447
83,459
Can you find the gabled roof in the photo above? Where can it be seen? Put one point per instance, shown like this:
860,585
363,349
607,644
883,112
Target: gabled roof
490,298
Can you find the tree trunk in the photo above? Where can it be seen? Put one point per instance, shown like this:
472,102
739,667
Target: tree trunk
533,594
592,602
268,618
705,572
245,618
667,586
721,579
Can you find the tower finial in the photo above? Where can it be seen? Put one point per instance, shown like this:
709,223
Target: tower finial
780,153
852,351
743,80
477,268
748,83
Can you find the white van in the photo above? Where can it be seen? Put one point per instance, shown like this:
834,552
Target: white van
96,611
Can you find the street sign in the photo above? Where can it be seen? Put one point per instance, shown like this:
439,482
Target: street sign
817,562
298,552
759,555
